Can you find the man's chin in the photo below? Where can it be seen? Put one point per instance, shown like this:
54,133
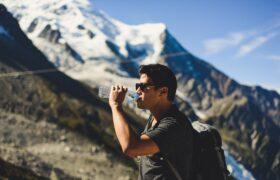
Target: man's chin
140,105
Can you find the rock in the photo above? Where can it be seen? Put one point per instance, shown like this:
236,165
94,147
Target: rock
67,149
94,149
62,138
53,175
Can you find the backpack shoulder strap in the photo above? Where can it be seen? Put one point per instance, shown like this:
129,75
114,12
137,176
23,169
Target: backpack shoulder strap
174,170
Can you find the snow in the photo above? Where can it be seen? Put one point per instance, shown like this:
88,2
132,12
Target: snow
67,15
237,169
101,76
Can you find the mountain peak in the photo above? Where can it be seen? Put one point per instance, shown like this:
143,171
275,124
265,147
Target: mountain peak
77,22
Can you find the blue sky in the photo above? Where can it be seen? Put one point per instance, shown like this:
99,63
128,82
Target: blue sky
240,38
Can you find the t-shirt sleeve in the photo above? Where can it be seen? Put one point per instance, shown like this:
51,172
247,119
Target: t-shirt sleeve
166,135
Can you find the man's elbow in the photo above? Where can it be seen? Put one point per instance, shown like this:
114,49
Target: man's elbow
128,151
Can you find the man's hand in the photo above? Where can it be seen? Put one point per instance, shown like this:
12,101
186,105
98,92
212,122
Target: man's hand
131,144
117,96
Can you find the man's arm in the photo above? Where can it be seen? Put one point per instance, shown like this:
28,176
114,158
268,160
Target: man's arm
131,144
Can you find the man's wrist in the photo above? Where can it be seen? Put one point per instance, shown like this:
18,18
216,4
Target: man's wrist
117,107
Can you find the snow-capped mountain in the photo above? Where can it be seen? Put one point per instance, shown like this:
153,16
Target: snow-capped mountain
90,46
88,35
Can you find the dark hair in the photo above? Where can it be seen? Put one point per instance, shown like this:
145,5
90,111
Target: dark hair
161,76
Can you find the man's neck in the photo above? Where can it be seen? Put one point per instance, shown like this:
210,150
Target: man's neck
159,111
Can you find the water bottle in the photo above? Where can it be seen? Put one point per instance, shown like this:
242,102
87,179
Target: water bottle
104,92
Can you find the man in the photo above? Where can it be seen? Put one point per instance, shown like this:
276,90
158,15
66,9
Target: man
166,145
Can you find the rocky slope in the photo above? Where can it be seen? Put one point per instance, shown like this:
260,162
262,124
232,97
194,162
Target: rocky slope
8,170
51,151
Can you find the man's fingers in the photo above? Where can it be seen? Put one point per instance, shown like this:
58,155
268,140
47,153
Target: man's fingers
125,89
119,88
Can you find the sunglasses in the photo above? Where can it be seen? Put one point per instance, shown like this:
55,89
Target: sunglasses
142,86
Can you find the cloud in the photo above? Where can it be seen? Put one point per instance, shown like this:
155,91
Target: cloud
216,45
274,57
244,41
255,43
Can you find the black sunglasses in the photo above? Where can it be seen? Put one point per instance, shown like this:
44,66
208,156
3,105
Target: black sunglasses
143,86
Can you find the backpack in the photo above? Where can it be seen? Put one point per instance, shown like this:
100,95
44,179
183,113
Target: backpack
208,156
209,159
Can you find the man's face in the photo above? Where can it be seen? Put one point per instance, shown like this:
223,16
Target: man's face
149,96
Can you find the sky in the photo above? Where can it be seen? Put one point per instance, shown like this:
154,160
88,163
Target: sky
240,38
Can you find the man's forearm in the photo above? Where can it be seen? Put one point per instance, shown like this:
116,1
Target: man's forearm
124,132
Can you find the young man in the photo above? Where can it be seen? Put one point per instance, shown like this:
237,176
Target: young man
166,145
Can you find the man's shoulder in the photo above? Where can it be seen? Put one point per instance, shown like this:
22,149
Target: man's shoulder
169,119
178,117
171,123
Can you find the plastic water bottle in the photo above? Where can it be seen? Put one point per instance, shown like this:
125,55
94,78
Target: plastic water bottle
104,92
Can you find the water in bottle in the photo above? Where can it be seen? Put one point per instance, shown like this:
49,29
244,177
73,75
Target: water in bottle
104,92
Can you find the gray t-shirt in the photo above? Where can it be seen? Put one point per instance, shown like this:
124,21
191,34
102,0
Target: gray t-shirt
173,135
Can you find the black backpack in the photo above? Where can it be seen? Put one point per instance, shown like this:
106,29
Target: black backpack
208,156
209,159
